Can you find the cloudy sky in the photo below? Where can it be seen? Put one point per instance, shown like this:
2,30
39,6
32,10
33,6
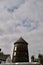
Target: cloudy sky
21,18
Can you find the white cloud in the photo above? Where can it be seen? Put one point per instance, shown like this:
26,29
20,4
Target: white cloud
26,20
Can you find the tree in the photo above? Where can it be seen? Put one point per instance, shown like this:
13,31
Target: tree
32,58
40,59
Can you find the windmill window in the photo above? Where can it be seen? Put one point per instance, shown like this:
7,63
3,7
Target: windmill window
15,48
14,53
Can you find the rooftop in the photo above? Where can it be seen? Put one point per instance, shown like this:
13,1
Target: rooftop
21,40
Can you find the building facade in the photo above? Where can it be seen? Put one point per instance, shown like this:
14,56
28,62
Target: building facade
20,51
3,56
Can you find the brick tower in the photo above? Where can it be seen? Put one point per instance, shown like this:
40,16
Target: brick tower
20,51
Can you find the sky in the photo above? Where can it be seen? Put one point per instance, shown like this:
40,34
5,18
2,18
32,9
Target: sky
21,18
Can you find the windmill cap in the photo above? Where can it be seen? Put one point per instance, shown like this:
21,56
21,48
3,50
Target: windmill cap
21,40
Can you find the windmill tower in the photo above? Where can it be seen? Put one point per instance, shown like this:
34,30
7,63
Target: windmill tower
20,51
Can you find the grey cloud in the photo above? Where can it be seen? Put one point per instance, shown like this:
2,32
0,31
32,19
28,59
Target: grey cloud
27,18
12,7
1,32
29,24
